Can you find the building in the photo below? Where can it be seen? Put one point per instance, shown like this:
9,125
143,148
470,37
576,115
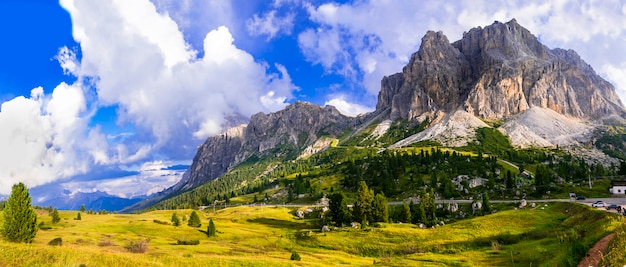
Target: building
618,187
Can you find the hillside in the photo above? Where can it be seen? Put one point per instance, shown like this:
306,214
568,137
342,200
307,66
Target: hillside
496,93
556,234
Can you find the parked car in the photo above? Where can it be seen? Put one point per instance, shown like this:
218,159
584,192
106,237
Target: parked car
598,204
612,206
580,198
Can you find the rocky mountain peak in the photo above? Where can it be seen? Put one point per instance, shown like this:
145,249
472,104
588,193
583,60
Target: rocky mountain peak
494,73
287,131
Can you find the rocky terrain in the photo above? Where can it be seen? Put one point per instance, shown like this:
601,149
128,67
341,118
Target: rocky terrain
498,76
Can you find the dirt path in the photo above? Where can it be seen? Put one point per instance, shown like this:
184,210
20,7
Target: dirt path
595,253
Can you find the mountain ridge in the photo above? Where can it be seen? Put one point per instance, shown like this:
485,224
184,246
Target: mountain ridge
539,97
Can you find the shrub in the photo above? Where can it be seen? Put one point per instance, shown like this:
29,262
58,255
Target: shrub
106,243
44,227
295,256
161,222
138,246
187,242
56,242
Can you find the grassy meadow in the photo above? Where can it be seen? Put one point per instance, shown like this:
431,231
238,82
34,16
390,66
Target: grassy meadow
554,235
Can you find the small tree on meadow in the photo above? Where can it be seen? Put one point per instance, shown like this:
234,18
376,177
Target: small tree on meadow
175,220
405,216
211,231
82,208
55,216
194,220
380,209
486,204
78,218
20,220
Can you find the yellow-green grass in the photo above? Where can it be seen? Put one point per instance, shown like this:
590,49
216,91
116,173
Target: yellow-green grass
266,236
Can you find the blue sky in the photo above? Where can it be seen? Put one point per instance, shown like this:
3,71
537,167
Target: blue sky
105,95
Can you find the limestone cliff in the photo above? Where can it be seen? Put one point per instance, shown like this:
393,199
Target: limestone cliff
283,133
494,73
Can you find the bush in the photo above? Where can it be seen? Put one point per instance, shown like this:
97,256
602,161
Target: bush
56,242
187,242
106,243
138,246
295,256
44,227
161,222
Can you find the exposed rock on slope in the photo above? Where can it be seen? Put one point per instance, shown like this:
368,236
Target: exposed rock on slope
541,127
494,73
288,131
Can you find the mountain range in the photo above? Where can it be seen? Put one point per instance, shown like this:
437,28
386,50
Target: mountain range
498,77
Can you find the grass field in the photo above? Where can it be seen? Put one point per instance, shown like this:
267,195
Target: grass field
267,236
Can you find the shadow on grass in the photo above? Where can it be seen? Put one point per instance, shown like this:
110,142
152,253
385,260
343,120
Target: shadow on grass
282,224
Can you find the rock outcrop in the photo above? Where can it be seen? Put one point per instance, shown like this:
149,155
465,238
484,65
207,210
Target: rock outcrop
284,133
494,73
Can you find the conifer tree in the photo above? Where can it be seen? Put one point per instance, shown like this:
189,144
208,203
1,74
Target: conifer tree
82,208
363,205
194,220
55,216
338,206
211,231
175,220
78,218
486,204
380,210
20,220
405,216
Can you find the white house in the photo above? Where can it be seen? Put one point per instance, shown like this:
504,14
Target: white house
618,187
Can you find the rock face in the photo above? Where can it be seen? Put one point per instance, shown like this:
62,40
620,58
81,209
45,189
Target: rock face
494,73
282,133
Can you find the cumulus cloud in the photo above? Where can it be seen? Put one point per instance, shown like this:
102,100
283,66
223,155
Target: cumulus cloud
142,63
43,138
348,108
152,177
270,24
617,76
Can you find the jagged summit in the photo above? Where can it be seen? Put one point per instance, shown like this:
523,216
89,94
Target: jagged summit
494,73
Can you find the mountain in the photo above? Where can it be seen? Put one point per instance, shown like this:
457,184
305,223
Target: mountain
499,73
498,77
96,201
283,134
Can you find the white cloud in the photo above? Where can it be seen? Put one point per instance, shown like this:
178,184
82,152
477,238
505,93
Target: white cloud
43,139
153,177
153,75
348,108
269,24
617,76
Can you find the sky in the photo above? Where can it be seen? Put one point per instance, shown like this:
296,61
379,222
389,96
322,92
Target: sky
115,96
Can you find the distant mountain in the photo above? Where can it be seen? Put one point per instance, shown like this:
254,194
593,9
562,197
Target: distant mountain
499,77
95,201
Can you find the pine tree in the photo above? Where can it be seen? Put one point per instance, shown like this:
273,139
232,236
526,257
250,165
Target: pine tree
380,210
55,216
175,220
338,206
363,205
82,208
211,231
20,220
405,216
78,218
486,204
194,220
